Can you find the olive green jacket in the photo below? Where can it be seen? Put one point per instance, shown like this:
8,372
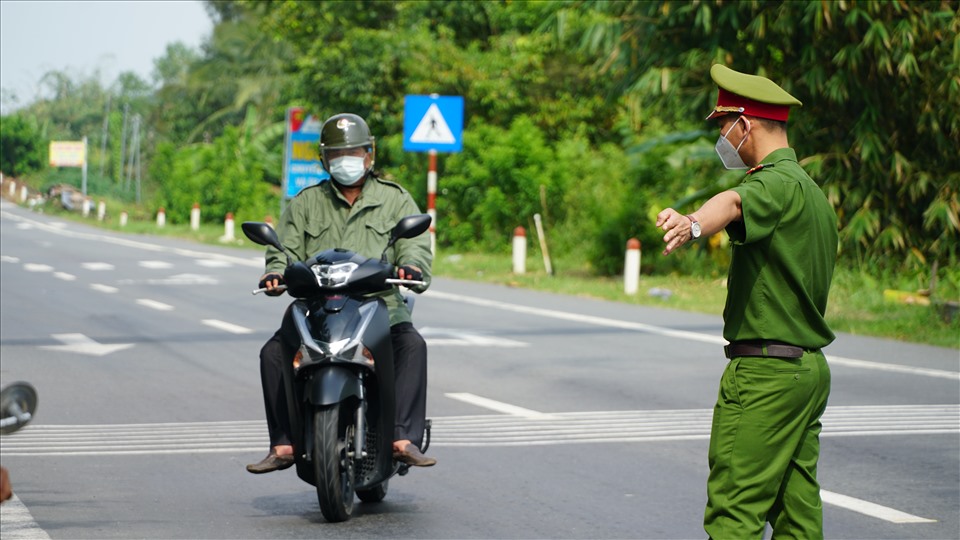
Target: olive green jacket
320,218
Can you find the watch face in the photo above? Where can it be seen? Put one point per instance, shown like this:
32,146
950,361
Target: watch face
695,229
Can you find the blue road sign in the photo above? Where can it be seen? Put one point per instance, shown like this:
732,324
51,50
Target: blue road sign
433,123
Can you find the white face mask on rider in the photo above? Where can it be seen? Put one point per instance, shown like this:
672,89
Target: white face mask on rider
347,170
729,155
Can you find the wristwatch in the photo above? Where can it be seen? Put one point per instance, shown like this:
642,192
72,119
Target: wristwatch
694,227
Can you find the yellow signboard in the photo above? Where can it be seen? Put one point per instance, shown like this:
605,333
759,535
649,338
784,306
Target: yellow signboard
68,153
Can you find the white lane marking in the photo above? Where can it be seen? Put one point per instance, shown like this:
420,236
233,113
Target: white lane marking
64,276
179,279
16,522
8,258
24,226
447,336
577,317
895,368
103,288
229,327
871,509
79,343
56,228
499,406
33,267
160,306
210,263
692,336
159,265
97,266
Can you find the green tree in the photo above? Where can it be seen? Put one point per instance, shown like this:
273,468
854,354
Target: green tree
875,77
223,176
22,148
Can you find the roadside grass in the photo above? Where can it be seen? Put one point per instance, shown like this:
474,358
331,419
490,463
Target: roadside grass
856,306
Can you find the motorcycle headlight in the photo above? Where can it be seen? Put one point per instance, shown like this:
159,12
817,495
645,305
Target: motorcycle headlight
332,276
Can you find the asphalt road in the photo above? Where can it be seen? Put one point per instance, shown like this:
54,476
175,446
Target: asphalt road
554,416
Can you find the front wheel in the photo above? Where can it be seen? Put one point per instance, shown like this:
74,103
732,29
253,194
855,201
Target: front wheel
333,466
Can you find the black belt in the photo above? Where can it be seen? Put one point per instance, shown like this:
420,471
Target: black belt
764,348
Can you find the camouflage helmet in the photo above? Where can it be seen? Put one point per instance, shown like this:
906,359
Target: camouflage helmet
344,130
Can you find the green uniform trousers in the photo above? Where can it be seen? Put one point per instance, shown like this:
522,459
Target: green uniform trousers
764,447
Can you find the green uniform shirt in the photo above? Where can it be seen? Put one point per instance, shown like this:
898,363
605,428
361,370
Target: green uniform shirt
784,252
320,218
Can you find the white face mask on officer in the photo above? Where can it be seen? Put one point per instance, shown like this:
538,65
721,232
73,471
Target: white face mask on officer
729,155
348,170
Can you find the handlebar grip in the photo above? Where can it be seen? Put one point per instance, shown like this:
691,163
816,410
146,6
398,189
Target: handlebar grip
279,287
405,282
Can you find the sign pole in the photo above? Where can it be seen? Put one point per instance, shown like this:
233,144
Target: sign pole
432,124
84,167
432,199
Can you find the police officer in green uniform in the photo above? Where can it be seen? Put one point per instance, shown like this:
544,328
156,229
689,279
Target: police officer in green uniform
356,210
765,438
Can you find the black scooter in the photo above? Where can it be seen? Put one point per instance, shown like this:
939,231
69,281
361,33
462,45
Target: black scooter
340,386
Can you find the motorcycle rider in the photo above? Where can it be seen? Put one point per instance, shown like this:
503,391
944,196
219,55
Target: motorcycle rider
356,210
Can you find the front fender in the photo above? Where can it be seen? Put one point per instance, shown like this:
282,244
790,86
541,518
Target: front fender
332,384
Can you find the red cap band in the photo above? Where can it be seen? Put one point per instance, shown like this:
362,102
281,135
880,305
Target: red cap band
728,102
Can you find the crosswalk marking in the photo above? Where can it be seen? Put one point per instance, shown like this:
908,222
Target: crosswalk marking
467,431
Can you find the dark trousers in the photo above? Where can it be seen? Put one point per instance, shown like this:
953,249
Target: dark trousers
410,372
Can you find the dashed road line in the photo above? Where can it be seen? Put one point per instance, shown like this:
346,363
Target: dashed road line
97,266
160,306
229,327
103,288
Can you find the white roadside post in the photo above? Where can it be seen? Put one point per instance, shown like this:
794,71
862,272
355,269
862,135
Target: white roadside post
228,228
24,192
631,267
195,217
161,217
101,210
123,219
519,250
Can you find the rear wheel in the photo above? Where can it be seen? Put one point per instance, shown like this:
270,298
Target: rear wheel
333,467
374,494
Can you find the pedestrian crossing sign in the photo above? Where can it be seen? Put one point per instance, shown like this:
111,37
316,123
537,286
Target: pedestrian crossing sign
433,123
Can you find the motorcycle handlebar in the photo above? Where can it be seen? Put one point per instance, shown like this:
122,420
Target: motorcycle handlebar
405,282
279,287
391,281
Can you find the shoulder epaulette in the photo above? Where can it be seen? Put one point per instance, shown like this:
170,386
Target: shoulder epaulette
310,187
760,167
391,184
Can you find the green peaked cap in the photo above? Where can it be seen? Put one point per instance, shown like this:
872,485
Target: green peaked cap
752,87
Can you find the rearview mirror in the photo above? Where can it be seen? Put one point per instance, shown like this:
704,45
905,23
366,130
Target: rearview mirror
408,227
18,403
261,233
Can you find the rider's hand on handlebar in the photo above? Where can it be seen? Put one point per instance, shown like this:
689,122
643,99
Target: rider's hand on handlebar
409,272
271,281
